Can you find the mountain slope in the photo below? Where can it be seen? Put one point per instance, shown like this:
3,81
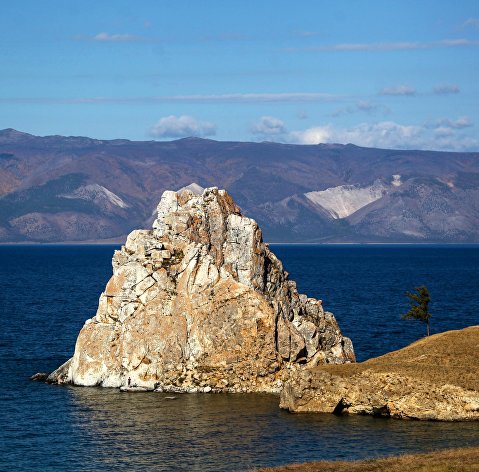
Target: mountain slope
58,188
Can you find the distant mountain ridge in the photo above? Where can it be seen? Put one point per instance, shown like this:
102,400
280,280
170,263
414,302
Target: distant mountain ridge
58,188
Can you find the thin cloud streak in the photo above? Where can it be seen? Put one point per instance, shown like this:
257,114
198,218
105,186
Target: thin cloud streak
224,98
104,37
400,90
472,22
364,106
391,46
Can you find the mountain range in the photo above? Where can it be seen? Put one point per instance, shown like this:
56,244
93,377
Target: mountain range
71,189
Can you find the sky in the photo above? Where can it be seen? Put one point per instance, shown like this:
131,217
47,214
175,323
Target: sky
391,74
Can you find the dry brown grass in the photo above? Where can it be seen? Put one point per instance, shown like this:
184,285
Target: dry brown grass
451,460
449,357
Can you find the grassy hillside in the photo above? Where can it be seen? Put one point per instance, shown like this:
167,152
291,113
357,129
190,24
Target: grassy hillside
449,357
452,460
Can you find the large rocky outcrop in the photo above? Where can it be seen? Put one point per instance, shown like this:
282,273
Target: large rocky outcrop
200,303
433,379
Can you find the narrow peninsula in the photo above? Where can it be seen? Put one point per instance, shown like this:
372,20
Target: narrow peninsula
435,378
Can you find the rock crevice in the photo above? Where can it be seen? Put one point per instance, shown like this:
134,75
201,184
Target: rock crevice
200,303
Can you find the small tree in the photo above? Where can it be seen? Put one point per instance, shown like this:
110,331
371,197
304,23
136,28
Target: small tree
419,306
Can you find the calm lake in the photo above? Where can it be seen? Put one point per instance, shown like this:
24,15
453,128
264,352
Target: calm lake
47,292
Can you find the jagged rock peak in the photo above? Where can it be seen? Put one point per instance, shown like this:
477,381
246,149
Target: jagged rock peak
200,303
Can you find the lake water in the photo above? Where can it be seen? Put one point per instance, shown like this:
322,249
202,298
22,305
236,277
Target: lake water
46,293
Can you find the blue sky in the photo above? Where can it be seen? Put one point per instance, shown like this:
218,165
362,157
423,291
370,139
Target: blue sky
396,74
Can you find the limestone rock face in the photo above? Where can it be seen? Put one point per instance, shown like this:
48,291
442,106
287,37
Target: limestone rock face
432,379
200,303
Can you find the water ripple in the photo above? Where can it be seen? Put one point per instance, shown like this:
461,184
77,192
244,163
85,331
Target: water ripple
48,292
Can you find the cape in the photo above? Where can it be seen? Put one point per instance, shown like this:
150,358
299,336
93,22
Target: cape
199,303
435,378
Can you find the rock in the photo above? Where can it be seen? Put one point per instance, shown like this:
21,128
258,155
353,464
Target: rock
436,378
61,374
39,377
200,304
125,388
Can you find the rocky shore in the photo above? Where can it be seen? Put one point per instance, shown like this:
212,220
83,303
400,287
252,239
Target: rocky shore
200,304
436,378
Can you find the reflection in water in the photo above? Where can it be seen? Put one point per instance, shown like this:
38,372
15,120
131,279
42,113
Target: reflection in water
236,432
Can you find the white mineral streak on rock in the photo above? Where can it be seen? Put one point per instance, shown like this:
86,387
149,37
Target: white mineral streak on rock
345,200
199,303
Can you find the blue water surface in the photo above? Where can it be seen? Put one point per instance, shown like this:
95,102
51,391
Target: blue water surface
47,292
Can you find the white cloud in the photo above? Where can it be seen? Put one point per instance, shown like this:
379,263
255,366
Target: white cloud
383,134
444,132
391,46
269,126
182,126
106,37
254,97
446,89
459,123
388,135
315,135
403,90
